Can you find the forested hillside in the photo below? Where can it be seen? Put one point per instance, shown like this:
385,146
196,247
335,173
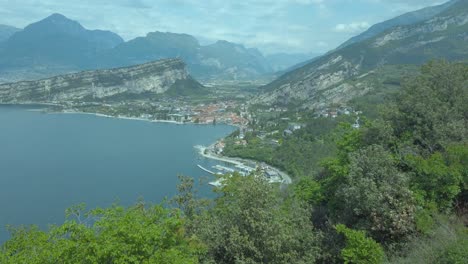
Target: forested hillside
394,191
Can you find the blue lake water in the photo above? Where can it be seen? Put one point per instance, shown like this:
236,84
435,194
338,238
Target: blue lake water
49,162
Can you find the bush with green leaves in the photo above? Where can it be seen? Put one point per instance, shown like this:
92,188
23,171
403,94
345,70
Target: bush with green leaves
431,110
115,235
252,223
376,196
359,248
435,180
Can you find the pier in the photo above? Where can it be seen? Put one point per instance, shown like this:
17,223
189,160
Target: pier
223,168
207,170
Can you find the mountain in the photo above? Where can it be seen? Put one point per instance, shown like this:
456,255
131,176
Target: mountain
346,73
57,43
231,61
7,31
141,80
403,20
156,45
220,60
284,61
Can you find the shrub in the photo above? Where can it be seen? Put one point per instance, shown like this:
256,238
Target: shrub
359,248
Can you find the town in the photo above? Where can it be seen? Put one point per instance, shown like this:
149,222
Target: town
169,110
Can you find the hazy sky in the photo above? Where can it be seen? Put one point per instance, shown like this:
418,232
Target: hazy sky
270,25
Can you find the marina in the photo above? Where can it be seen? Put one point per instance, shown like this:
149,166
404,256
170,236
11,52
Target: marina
240,166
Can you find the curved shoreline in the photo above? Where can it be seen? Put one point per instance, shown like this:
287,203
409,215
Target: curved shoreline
239,161
233,160
124,117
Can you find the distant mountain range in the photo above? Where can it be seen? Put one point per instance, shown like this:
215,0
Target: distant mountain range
221,60
58,45
7,31
56,41
347,72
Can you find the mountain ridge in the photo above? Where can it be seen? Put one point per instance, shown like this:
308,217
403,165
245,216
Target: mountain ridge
402,20
58,45
55,42
154,78
339,76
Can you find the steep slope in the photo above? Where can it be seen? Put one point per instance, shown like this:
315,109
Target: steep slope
6,32
336,77
55,42
146,79
403,20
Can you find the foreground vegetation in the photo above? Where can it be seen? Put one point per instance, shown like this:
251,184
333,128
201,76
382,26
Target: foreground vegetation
394,191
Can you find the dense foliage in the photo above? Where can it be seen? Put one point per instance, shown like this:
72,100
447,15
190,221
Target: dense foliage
252,223
308,145
137,234
393,191
359,248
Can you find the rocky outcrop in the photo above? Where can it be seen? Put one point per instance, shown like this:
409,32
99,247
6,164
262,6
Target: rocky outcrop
430,26
403,20
155,77
313,84
335,77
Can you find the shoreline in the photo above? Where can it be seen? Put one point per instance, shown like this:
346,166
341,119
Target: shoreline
68,111
31,103
123,117
201,149
140,119
239,161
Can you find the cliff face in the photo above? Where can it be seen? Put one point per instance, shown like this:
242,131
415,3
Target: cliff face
339,76
155,77
403,20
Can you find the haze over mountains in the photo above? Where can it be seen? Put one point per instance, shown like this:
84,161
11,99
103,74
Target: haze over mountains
6,32
59,45
348,72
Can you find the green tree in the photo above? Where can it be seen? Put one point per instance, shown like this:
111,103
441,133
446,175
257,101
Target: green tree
359,249
376,196
252,223
431,110
457,158
137,234
435,180
308,190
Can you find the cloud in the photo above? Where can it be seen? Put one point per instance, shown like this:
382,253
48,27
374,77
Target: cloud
271,25
354,27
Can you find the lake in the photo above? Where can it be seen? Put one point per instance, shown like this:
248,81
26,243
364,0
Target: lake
49,162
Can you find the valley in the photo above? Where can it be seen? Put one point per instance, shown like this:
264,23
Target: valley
294,154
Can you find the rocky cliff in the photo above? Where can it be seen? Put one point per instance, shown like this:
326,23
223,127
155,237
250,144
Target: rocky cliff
339,76
403,20
150,78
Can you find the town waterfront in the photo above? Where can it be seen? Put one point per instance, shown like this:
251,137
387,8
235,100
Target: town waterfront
49,162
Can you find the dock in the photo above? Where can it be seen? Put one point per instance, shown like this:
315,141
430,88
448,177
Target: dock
223,168
207,170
